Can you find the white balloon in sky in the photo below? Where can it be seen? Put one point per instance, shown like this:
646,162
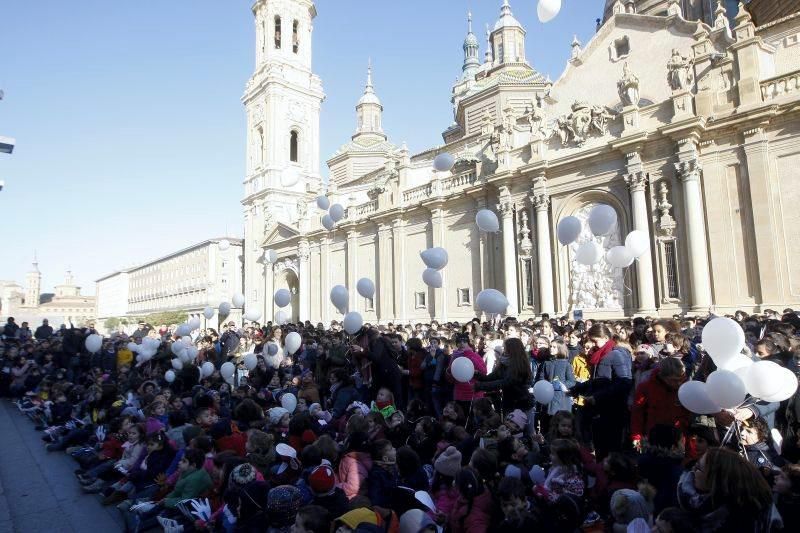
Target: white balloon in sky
224,244
548,9
444,162
323,202
238,299
271,256
336,212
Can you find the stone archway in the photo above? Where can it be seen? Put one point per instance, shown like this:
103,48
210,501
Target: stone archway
287,279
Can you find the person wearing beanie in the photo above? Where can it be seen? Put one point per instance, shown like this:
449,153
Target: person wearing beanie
322,483
416,521
283,502
449,462
516,422
349,521
288,469
260,451
279,417
628,505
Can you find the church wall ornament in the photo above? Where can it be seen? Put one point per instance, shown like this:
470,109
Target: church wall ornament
584,121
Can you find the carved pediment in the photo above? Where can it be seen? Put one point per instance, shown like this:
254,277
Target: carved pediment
280,232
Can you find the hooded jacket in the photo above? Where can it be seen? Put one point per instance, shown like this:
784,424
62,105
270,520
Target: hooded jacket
655,403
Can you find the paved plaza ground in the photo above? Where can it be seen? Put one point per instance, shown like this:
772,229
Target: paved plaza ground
38,490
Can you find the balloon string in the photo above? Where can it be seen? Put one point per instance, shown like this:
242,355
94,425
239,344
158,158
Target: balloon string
628,290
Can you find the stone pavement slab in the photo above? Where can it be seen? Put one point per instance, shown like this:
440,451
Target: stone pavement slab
38,490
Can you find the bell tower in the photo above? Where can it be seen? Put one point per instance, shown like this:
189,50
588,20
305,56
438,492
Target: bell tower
33,284
282,101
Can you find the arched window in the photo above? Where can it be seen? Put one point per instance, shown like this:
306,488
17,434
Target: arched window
293,146
295,37
277,32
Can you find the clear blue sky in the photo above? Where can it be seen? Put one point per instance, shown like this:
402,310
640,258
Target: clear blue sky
130,130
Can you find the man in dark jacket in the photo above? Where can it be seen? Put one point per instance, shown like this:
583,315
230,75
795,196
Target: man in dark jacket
385,371
228,343
45,331
10,329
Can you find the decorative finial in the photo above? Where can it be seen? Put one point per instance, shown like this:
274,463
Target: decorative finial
469,21
369,73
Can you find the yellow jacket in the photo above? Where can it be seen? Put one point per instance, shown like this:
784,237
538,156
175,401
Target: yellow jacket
580,367
124,357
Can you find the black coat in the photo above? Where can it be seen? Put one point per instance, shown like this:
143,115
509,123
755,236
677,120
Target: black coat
385,370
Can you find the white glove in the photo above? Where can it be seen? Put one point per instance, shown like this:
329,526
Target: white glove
143,507
100,433
70,424
202,509
170,525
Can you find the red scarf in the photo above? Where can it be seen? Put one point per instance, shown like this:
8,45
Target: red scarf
383,405
598,353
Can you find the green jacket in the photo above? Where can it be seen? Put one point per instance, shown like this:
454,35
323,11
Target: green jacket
190,485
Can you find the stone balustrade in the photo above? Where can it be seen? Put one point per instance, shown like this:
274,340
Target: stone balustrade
780,85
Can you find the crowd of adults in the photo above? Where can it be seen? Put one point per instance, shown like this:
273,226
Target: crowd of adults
371,432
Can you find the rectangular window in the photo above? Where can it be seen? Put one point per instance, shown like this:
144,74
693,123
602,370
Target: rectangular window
464,297
420,300
670,258
295,37
528,266
369,304
277,33
224,283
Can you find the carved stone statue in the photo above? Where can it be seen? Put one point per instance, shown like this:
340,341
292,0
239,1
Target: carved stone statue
679,72
628,87
269,220
486,123
584,120
302,210
536,119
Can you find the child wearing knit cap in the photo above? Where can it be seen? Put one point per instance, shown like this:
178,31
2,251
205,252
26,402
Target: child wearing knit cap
444,492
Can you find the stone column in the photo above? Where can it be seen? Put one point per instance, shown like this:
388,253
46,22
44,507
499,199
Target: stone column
325,279
757,159
352,269
384,303
399,242
688,172
269,292
506,208
304,280
637,182
541,203
438,234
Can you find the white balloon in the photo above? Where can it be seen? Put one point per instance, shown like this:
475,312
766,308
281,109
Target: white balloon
281,317
283,297
187,341
194,323
352,322
723,339
492,301
169,376
183,330
94,342
132,346
693,395
327,222
548,9
637,242
238,299
208,312
323,202
444,162
177,364
537,474
293,342
762,379
725,389
487,221
272,348
207,368
432,278
340,298
224,244
336,212
589,253
435,258
224,309
252,315
602,219
250,361
619,257
177,348
271,256
365,287
289,402
543,391
736,363
462,369
568,230
191,353
786,387
227,370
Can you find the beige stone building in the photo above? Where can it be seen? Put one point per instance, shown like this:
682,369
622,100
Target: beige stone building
684,116
204,274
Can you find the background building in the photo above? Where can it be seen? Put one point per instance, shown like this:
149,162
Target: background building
681,115
29,304
188,280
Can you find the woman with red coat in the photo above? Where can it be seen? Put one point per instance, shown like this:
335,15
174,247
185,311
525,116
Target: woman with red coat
464,393
656,401
416,356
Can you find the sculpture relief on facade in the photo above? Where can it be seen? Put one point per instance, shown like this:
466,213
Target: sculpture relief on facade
286,264
599,286
525,243
584,121
302,209
628,87
666,224
680,73
535,119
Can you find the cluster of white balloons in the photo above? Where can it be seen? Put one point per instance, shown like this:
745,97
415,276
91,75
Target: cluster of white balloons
548,9
736,375
340,298
334,214
602,220
145,351
435,260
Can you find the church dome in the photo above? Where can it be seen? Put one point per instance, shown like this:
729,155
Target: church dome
471,40
506,19
369,98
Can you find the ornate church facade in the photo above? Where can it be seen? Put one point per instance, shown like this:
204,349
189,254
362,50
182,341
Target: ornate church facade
681,115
